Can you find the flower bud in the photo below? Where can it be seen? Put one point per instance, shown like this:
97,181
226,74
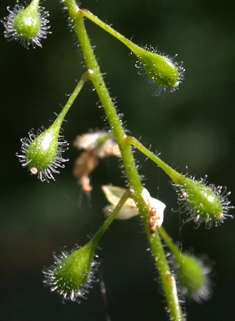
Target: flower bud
161,69
72,272
42,152
203,202
27,25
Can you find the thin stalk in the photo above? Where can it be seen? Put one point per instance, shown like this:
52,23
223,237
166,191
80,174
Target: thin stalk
110,219
174,175
131,45
168,240
72,98
167,278
33,5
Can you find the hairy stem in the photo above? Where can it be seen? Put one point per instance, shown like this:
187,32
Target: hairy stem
72,98
168,240
167,278
174,175
110,219
133,47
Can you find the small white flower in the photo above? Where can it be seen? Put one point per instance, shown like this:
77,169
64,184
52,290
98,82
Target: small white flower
156,211
129,209
113,195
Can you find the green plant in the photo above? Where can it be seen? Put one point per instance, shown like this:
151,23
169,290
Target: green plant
42,155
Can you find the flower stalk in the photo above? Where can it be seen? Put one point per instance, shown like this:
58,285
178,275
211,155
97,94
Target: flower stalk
42,152
204,203
167,278
193,275
161,69
73,272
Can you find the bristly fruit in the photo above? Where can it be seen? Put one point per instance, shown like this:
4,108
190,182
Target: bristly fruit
160,69
72,272
194,277
202,202
42,153
27,25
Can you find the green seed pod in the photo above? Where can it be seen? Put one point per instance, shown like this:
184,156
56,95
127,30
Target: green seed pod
42,152
160,68
203,202
193,273
193,277
27,25
72,272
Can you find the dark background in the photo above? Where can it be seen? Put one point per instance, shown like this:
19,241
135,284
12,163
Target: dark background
192,127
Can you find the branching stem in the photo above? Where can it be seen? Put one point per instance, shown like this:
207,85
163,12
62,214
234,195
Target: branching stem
133,47
72,98
174,175
168,281
110,219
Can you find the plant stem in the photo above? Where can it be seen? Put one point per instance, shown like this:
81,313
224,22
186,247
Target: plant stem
167,278
33,5
168,240
115,122
131,45
174,175
72,98
110,219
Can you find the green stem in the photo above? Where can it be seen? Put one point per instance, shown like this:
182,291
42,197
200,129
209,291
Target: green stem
168,240
72,98
110,219
174,175
108,105
128,159
33,5
167,278
131,45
